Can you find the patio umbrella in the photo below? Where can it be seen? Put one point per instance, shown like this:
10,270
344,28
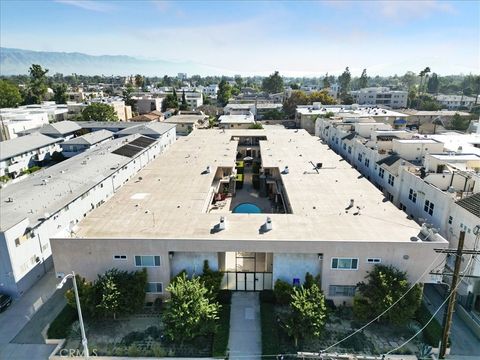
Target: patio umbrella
248,158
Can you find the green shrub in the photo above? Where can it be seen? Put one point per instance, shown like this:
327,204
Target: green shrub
132,337
270,334
283,292
159,351
224,297
154,332
60,327
31,169
220,339
267,296
433,332
134,351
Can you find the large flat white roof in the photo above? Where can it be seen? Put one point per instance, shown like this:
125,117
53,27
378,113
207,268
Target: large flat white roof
170,200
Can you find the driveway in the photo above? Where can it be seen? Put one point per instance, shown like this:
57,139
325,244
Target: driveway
464,342
21,324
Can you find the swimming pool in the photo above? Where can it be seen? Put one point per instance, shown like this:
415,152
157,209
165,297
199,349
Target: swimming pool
247,208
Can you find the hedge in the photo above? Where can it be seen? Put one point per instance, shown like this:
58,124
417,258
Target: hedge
220,339
270,340
433,332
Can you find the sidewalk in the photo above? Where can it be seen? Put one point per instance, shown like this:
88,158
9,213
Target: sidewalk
245,340
15,319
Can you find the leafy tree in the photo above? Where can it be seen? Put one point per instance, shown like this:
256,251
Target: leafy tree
322,97
190,311
363,81
459,123
184,104
110,301
9,94
37,89
344,81
326,81
99,112
87,295
433,84
409,80
127,96
273,114
273,83
385,285
256,126
139,80
170,102
224,92
60,94
308,313
212,279
283,291
290,104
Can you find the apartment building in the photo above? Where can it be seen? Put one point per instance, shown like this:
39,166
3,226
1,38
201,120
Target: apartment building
236,121
434,179
123,112
308,212
259,108
48,203
194,99
82,143
453,102
381,96
23,152
188,121
211,90
145,105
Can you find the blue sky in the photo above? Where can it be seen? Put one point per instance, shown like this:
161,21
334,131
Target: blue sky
254,37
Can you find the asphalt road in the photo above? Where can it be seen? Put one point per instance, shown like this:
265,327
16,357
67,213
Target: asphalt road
464,342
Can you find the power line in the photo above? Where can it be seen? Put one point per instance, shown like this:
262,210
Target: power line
430,320
385,311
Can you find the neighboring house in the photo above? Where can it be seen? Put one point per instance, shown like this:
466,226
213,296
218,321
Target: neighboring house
258,109
236,121
52,201
20,153
151,116
452,102
420,118
123,112
211,90
194,99
382,96
146,105
82,143
322,218
187,121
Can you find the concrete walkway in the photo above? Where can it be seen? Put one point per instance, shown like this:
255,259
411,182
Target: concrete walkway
21,318
245,340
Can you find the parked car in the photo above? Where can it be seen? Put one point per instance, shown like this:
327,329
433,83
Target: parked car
5,301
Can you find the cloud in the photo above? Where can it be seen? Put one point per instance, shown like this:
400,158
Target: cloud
162,5
412,9
87,5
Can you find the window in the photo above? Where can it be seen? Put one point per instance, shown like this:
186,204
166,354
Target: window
349,149
154,287
119,257
450,220
391,180
412,195
360,157
341,290
344,146
345,263
147,260
428,207
374,260
367,162
381,172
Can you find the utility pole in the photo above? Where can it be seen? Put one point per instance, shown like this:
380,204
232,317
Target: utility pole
447,321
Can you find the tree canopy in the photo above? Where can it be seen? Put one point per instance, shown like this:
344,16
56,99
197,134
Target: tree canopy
344,81
9,94
99,112
298,97
190,311
363,80
37,89
273,84
224,92
60,93
170,102
385,285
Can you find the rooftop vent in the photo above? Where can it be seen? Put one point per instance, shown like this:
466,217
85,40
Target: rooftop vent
222,225
286,170
268,224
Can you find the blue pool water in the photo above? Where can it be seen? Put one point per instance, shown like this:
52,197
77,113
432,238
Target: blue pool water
247,208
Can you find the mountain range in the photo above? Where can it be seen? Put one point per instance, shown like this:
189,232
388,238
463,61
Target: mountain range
17,62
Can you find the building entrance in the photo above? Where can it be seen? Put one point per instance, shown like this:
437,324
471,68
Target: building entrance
246,271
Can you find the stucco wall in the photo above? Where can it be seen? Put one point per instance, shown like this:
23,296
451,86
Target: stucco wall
290,266
192,262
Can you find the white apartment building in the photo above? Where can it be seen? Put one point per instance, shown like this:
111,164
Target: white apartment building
452,102
48,203
434,179
145,105
188,121
211,90
236,121
82,143
194,99
382,96
22,152
123,112
258,109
